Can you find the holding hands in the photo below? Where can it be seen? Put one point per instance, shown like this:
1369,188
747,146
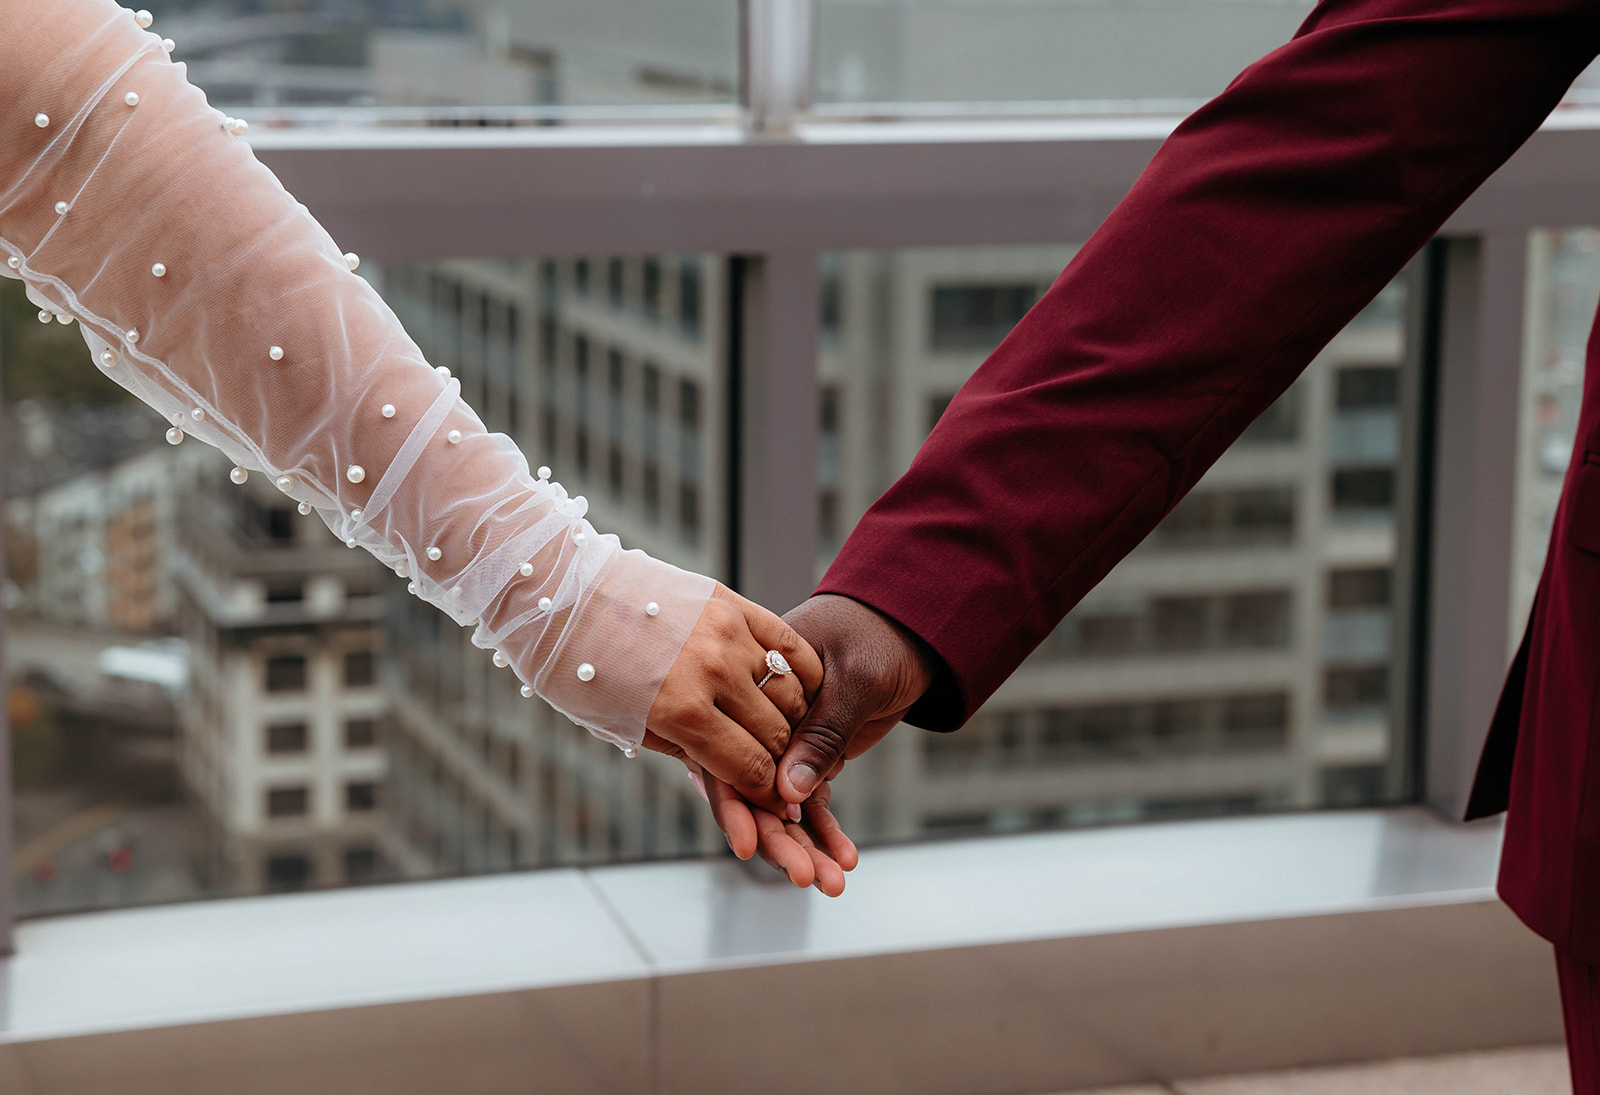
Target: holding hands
768,753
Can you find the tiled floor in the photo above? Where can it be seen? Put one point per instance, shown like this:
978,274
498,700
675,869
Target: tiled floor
1540,1071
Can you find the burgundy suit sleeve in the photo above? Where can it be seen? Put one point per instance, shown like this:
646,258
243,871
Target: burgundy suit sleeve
1264,224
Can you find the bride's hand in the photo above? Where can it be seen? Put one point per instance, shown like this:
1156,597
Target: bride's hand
710,712
812,851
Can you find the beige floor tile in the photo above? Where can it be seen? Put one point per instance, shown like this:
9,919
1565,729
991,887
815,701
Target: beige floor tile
1537,1071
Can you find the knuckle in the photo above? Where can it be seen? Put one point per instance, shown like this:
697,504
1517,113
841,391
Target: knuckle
759,771
794,710
687,714
726,621
789,642
825,738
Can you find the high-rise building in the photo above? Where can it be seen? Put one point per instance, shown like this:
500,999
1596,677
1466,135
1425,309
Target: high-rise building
281,718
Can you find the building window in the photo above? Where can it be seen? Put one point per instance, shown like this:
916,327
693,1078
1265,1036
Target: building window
360,865
360,733
547,432
650,490
548,333
1363,490
360,669
266,523
1223,518
615,283
286,673
953,753
1256,721
1356,689
689,293
828,537
614,469
689,511
1279,423
580,376
288,801
1352,590
977,317
689,405
1180,623
937,405
580,275
360,797
616,379
1367,387
1256,621
830,297
286,737
285,594
286,873
1104,634
650,278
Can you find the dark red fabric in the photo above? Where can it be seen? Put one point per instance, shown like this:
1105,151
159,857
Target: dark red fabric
1580,1010
1267,221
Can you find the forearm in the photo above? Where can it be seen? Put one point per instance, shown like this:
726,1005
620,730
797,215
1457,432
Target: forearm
206,290
1268,220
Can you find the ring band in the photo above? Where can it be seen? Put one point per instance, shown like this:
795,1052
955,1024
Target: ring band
777,666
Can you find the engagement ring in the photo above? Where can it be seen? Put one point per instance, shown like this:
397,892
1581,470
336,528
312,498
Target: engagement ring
777,666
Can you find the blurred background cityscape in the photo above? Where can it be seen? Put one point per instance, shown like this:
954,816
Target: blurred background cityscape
210,696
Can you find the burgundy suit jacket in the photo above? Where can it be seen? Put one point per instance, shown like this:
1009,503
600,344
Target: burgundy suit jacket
1264,224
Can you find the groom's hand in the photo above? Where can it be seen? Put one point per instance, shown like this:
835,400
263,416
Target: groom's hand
873,670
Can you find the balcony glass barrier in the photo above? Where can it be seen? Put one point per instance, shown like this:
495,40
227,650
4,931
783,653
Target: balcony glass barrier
210,695
1563,287
457,61
1242,659
1008,56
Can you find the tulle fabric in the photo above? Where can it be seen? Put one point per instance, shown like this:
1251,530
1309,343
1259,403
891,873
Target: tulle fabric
246,269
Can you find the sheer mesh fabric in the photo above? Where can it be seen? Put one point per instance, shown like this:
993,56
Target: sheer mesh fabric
245,270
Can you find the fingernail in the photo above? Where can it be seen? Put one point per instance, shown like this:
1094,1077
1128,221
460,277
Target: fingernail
794,812
803,777
700,785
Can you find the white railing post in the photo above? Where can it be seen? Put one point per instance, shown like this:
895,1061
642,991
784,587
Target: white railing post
777,65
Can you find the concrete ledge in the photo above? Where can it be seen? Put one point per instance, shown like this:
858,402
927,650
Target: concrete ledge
1040,963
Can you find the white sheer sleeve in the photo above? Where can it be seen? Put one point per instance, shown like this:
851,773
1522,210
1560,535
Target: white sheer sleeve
203,288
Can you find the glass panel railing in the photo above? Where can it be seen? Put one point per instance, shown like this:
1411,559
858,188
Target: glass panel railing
211,696
1563,286
1241,659
1052,56
458,61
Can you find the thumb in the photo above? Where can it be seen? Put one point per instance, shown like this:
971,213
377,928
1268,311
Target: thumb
818,744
